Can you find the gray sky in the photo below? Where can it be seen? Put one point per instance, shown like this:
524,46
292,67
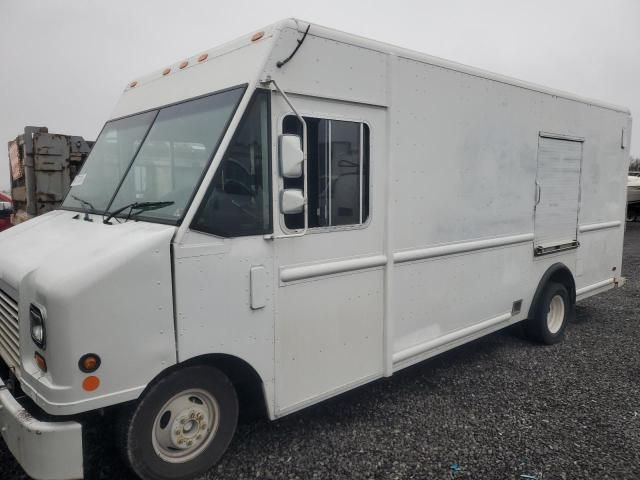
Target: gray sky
64,63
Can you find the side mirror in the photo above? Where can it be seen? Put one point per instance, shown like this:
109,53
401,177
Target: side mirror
291,156
291,201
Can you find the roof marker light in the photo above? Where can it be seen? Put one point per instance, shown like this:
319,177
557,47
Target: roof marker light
133,84
166,71
184,64
257,36
203,57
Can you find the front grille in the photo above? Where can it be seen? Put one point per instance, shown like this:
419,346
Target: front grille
9,336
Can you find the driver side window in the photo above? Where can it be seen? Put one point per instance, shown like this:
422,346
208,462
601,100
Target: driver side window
238,201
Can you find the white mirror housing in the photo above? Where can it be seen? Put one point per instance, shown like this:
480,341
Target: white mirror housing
291,156
291,201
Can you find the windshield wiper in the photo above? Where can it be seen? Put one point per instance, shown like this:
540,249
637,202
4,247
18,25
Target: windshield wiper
138,207
85,204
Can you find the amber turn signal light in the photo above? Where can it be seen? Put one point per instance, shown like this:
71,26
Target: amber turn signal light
89,363
91,383
41,362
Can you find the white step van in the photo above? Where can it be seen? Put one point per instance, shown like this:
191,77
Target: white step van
287,217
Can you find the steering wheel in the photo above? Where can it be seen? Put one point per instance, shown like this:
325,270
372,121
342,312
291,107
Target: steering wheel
233,184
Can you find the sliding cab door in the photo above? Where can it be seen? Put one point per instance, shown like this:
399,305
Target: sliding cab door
329,295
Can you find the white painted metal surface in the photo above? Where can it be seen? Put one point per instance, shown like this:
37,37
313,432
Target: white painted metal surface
108,287
555,315
259,291
46,450
443,254
558,192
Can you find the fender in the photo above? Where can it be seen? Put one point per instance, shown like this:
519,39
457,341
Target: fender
561,273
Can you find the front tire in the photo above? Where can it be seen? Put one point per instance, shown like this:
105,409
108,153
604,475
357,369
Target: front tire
551,315
181,426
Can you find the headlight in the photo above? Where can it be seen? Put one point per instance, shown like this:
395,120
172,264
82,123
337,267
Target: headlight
38,330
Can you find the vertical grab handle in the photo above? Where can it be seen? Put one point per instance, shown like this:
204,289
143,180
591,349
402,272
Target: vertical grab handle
538,193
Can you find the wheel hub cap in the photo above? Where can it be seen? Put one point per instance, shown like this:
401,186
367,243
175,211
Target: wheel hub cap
189,428
555,315
185,426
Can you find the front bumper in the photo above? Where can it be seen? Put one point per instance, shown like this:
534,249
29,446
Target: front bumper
45,450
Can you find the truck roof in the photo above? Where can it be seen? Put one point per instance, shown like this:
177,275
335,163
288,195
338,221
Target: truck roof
383,47
354,40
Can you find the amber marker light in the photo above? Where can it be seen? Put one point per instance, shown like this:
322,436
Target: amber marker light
203,57
89,363
91,383
257,36
41,362
184,64
166,71
133,84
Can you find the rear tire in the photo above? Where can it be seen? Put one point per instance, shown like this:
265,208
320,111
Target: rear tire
551,315
181,426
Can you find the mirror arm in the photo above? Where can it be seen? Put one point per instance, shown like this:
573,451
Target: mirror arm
267,81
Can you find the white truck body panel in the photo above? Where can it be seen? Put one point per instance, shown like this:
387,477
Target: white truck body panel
54,259
469,172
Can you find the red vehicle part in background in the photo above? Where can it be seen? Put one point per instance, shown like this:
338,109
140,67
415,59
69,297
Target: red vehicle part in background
6,209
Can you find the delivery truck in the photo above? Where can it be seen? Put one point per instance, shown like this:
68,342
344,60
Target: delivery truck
287,217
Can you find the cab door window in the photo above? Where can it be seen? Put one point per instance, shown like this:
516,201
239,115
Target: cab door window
238,201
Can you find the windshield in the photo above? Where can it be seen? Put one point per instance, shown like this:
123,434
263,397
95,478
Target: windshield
156,156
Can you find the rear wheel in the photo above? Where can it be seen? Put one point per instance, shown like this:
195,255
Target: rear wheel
551,315
182,425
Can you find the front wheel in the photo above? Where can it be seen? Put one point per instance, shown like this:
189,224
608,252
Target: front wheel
181,426
551,315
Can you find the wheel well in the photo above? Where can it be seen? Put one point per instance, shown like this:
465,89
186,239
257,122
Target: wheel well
559,273
245,379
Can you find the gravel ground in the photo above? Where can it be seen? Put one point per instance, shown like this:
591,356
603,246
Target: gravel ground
498,408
